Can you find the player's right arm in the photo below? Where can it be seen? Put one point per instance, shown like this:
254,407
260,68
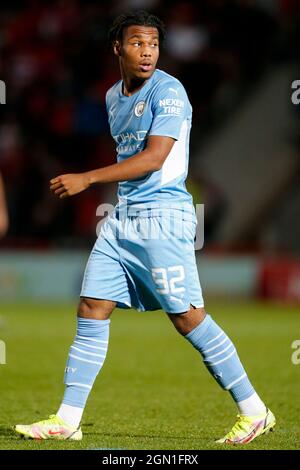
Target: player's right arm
3,210
149,160
164,132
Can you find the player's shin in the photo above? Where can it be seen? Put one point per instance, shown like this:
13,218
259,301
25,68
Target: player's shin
86,357
221,359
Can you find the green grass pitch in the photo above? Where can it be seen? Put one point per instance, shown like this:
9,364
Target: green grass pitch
153,391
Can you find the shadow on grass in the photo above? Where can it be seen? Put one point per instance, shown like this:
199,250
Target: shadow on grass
8,433
145,436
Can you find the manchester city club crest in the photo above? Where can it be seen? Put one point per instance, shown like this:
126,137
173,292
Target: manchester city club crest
139,109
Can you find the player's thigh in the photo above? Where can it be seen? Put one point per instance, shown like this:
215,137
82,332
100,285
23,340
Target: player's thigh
171,273
105,283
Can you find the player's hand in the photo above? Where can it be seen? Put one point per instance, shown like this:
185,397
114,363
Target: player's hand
69,185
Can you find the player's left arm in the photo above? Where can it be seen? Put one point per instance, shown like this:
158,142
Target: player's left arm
151,159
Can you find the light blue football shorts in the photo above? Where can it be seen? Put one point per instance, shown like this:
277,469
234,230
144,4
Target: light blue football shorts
145,262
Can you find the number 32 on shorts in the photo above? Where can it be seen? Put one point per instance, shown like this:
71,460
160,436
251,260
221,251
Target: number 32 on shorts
166,279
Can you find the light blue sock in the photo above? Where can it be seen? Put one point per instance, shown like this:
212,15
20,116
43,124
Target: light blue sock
221,359
86,358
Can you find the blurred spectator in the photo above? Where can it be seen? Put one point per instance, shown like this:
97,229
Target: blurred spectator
186,38
58,67
3,210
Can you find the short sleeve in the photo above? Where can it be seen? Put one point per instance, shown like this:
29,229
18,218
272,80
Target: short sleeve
169,109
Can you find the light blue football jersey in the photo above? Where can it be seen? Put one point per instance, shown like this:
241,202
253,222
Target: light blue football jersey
160,107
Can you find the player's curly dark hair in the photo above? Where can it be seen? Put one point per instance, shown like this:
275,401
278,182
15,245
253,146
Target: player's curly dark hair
139,18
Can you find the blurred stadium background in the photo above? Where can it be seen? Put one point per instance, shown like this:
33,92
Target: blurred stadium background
237,60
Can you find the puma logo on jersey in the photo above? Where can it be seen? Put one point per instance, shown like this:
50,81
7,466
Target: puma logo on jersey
175,91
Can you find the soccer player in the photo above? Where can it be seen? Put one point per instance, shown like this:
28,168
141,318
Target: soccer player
141,259
3,210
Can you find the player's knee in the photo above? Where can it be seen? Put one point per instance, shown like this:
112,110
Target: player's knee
188,321
94,308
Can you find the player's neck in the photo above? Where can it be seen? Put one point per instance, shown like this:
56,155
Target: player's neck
132,85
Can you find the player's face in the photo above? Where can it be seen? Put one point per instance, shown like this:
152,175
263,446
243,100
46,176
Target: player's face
139,51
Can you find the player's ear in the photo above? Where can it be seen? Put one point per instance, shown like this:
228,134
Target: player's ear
117,48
